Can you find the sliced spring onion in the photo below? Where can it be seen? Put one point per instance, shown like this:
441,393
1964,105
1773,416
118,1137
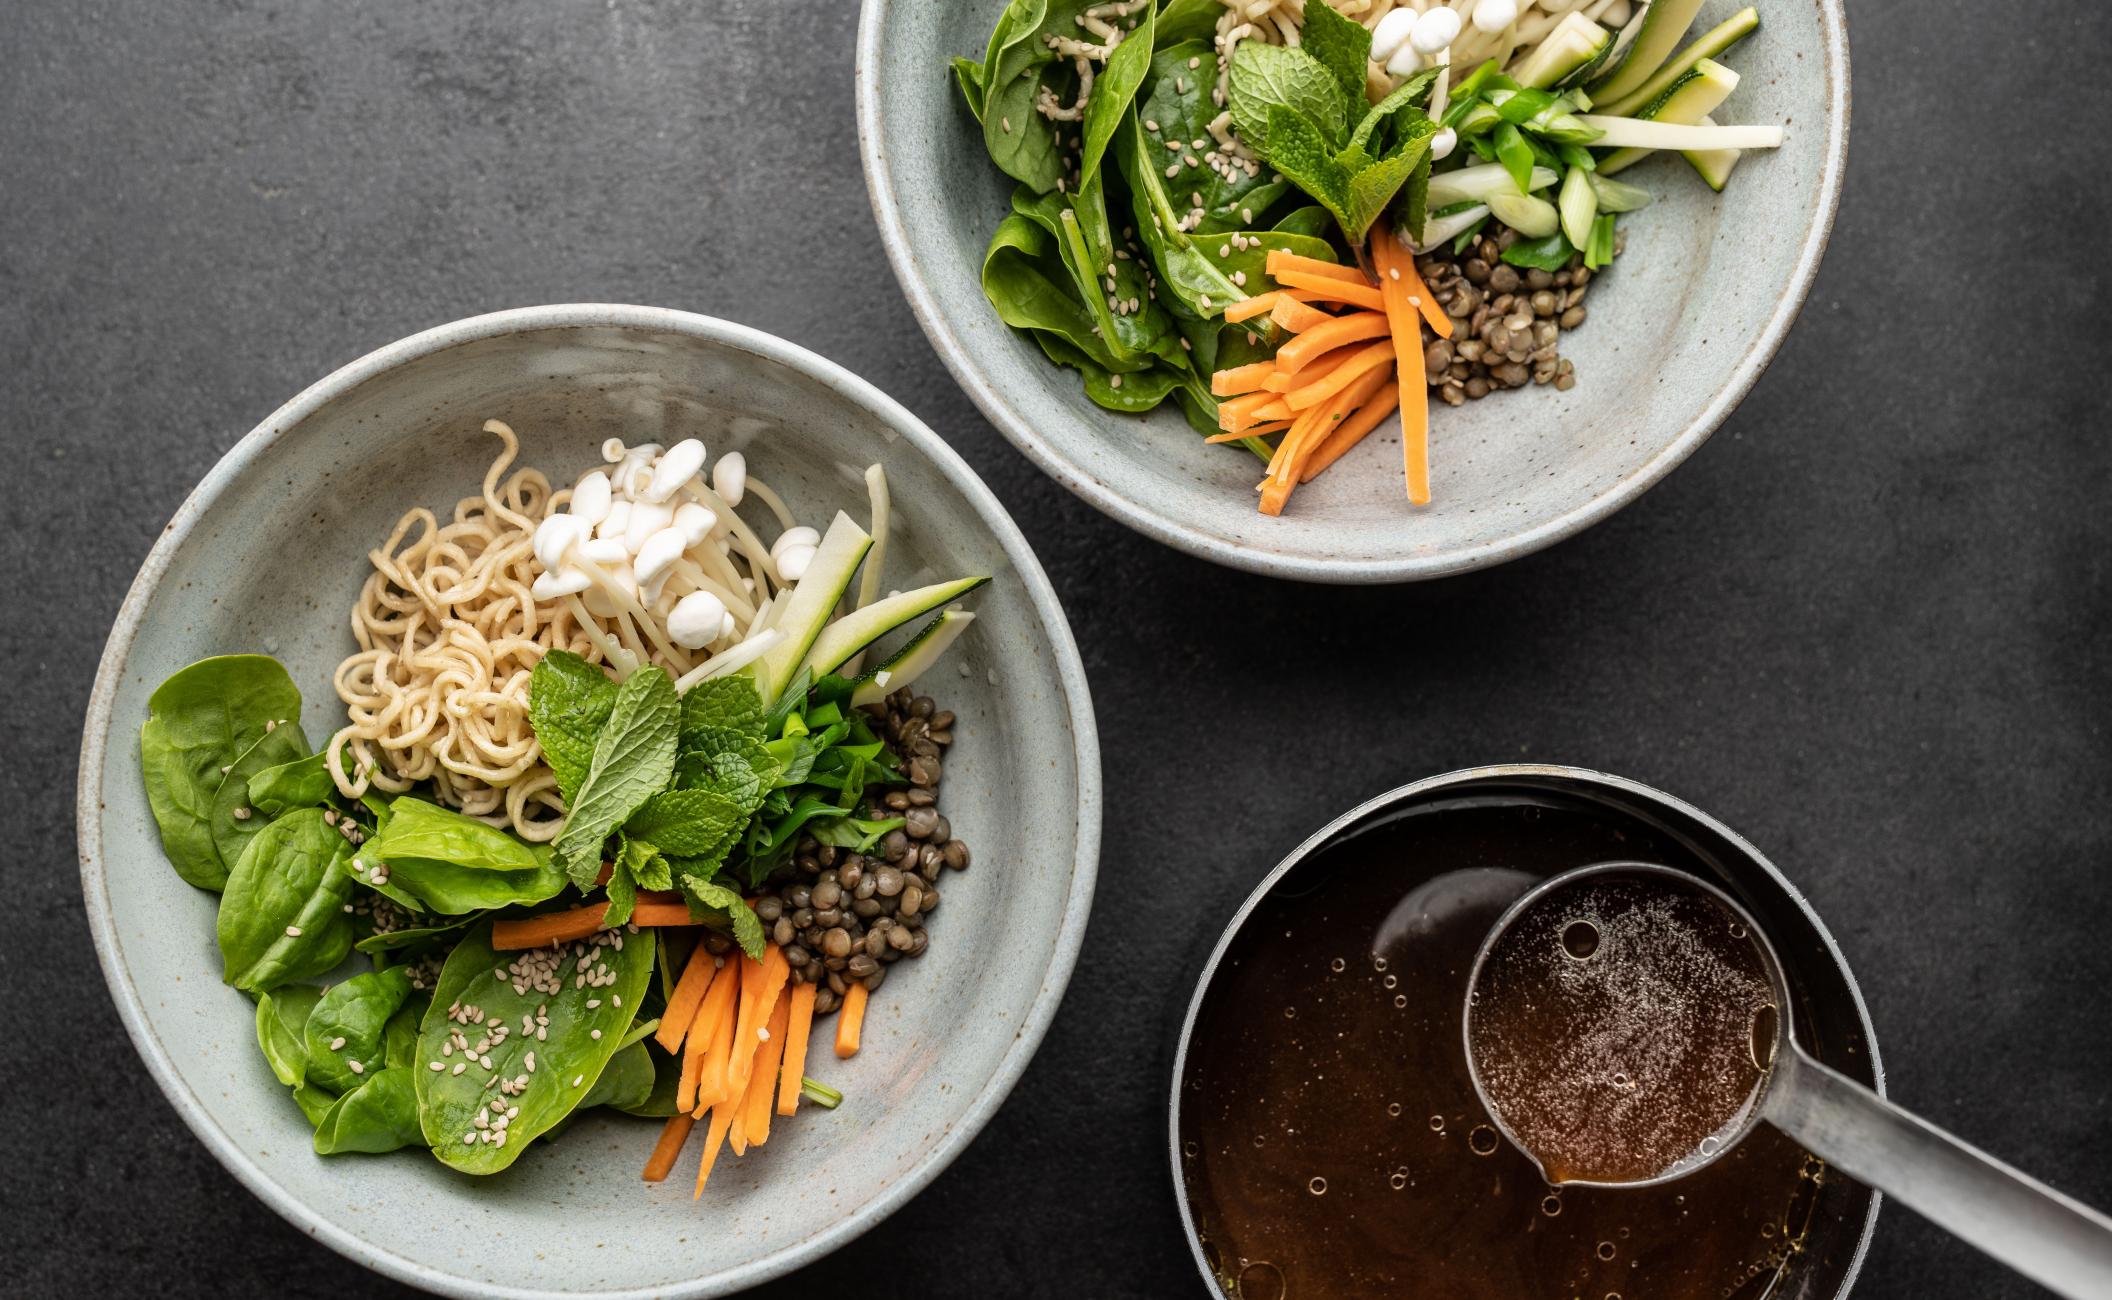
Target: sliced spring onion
1579,205
1532,217
1475,184
819,1093
1549,254
1633,133
1600,251
1439,229
1515,155
1618,196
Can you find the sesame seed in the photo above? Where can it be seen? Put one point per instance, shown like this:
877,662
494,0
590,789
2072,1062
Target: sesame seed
578,1079
469,1138
763,1034
595,1034
355,1067
1246,215
484,1061
460,1066
1200,144
1190,160
1195,63
436,1067
348,907
241,814
329,816
337,1044
1174,146
1173,170
293,932
1006,122
1394,271
1151,126
1113,381
617,998
1224,250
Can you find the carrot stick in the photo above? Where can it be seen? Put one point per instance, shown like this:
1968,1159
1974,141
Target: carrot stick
682,1004
1351,431
1240,379
1252,431
1280,260
1285,381
711,1082
1232,412
850,1021
762,1088
1402,268
1365,359
703,1034
1327,288
1295,355
749,1036
672,1135
563,927
1246,418
1286,468
714,1137
1296,317
799,1027
1408,353
1248,308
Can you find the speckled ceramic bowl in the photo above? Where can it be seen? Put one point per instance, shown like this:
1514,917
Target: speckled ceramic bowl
1679,330
267,555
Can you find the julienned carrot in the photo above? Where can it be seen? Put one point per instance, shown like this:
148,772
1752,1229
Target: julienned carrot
762,1089
1297,447
682,1004
1403,269
1331,289
718,1058
1248,308
1232,412
672,1135
1387,253
748,1036
714,1138
703,1034
1295,355
1251,431
1352,430
1280,260
800,1010
1286,381
1360,363
563,927
1240,379
850,1022
1296,316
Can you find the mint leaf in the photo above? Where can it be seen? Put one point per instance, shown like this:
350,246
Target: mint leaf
1299,151
633,758
723,702
1371,188
1265,77
685,821
649,867
1350,184
1179,110
707,896
1343,47
568,701
1413,93
622,892
732,763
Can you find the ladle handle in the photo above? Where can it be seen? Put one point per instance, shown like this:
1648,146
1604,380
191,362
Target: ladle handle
2056,1241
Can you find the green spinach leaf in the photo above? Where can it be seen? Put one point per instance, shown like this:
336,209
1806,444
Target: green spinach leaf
633,758
449,863
344,1033
200,722
1179,149
626,1083
301,783
1113,91
282,1016
283,915
579,1027
235,820
381,1114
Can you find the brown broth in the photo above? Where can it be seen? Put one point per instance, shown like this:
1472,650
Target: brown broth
1332,1143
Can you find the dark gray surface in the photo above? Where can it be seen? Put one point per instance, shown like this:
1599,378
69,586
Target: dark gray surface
1867,625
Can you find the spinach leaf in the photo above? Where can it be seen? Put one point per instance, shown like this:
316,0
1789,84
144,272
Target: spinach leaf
1190,20
381,1114
1113,91
315,1103
1030,287
416,936
234,819
569,1058
1131,391
659,1103
200,721
345,1029
1174,117
450,863
968,76
633,758
1342,45
1022,142
1549,254
1266,77
282,918
301,783
399,1037
626,1083
282,1016
1020,20
1312,219
569,700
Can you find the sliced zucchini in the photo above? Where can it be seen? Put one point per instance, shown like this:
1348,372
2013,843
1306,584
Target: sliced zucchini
802,615
1535,218
1569,53
1474,184
860,628
1579,205
913,660
1657,32
1712,44
1714,164
1691,98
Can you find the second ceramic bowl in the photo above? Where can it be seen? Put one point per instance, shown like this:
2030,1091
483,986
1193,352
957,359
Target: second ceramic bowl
1679,329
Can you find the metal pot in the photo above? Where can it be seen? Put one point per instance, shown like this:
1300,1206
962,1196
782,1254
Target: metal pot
1827,1005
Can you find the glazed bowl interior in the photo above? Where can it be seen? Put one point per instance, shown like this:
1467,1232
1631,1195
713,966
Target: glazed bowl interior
268,555
1826,1005
1677,332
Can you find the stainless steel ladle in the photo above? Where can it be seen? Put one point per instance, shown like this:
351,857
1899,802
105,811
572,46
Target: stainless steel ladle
2052,1239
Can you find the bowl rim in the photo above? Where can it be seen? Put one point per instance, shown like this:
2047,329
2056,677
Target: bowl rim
1467,777
1070,674
1149,519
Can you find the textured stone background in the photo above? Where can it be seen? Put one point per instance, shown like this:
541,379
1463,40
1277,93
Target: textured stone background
1867,625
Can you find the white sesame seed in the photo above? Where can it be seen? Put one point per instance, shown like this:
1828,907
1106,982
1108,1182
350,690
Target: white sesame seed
1173,171
436,1067
1246,215
1224,250
337,1044
1151,126
293,932
763,1034
616,998
241,814
1114,381
460,1066
578,1079
530,1062
595,1034
1006,122
469,1138
1394,271
355,1067
1195,63
348,907
513,1112
484,1061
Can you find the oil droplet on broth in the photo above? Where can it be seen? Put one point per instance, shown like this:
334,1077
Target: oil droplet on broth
1400,999
1379,964
1437,1123
1261,1280
1482,1141
1398,1180
1338,965
1189,1149
1393,1108
1318,1186
1606,1250
1551,1205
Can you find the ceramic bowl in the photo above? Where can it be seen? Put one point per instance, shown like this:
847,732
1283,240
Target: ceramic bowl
1678,330
267,555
